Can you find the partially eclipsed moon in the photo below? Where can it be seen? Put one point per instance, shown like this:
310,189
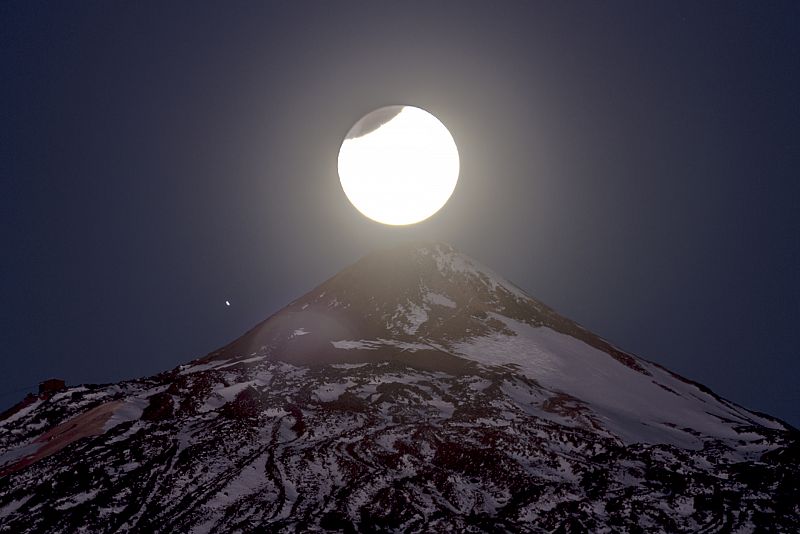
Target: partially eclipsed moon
398,165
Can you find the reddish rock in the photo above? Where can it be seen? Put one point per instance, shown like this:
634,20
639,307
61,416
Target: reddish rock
51,386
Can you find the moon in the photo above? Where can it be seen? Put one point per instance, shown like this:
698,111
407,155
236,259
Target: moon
398,165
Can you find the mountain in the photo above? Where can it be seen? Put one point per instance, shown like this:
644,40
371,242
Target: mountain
414,391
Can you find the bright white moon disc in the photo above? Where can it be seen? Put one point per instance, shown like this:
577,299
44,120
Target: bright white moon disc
398,165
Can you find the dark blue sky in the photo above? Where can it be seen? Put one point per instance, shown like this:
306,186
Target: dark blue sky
635,165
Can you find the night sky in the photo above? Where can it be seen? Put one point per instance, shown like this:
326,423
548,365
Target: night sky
635,165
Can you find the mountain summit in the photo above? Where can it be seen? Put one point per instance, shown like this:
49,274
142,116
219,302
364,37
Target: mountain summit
415,390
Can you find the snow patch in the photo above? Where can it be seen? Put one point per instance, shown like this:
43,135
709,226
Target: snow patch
331,392
187,369
75,500
415,316
448,261
237,362
22,413
439,300
349,345
221,394
13,506
229,393
130,410
348,365
375,344
626,401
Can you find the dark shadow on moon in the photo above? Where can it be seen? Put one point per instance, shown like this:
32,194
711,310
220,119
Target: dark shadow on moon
373,120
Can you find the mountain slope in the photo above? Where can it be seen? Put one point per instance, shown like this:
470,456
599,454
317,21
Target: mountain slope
414,390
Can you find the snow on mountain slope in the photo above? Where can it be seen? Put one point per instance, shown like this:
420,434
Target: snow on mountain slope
414,391
439,303
656,407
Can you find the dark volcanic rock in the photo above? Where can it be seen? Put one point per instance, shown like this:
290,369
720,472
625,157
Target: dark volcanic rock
160,408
